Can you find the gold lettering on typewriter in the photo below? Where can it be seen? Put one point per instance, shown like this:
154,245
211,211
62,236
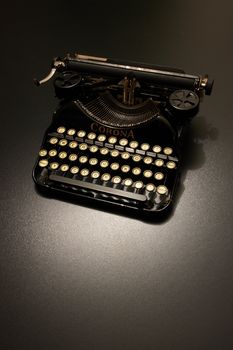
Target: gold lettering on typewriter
109,131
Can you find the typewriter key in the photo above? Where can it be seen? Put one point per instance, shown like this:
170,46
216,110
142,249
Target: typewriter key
84,172
159,162
53,140
150,187
83,146
114,153
101,138
42,152
157,149
116,179
71,132
74,170
104,164
64,167
136,171
158,176
162,189
125,155
73,157
83,159
93,161
147,160
54,166
52,153
106,177
61,130
63,142
133,144
62,155
171,165
125,168
138,184
94,148
43,163
81,133
147,173
114,166
137,158
167,151
91,136
128,182
73,144
104,151
112,139
95,174
145,146
123,142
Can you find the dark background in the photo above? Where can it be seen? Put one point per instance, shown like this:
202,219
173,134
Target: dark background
73,277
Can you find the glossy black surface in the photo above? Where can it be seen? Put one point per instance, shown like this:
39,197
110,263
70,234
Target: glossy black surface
73,277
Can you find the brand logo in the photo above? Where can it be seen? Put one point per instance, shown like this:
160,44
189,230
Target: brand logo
109,131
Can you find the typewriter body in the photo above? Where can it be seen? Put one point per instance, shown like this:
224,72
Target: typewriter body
116,136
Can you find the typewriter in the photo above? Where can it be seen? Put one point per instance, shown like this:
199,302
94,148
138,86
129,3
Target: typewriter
116,136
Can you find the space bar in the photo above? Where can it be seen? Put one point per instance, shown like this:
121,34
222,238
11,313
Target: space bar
99,188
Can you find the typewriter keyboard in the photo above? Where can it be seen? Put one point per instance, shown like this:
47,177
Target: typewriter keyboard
108,166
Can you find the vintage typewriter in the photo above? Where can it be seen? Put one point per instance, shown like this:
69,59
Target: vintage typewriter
116,137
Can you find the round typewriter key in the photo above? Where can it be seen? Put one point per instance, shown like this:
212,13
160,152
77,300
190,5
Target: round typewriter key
147,173
71,132
91,136
123,142
147,160
138,184
106,177
94,148
136,171
42,152
93,161
81,133
53,140
162,189
104,164
157,149
133,144
114,166
128,182
73,157
150,187
112,139
137,158
114,153
125,155
95,174
73,144
54,166
125,168
171,165
84,172
101,138
63,142
158,176
74,170
104,151
83,159
116,179
64,167
145,146
83,146
52,153
62,155
61,129
167,151
159,162
43,163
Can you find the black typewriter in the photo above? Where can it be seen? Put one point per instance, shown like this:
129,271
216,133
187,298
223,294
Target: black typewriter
116,136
